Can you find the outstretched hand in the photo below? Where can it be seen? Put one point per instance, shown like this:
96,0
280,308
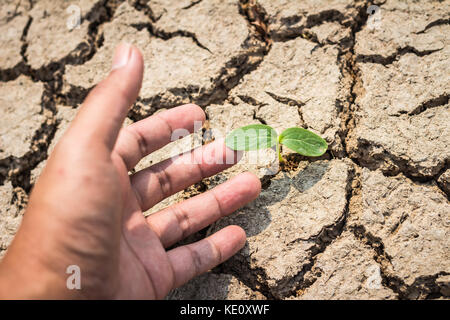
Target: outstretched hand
86,210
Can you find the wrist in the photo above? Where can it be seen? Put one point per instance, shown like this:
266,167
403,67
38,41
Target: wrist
28,280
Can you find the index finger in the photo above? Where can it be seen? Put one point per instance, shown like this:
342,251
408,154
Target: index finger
143,137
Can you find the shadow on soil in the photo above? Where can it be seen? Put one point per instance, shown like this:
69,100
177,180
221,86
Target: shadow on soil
256,217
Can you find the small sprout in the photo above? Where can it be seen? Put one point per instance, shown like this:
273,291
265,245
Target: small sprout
259,136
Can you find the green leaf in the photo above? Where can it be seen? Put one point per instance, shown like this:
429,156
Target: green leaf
303,141
252,137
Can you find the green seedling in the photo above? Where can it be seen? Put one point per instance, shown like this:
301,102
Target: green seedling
260,136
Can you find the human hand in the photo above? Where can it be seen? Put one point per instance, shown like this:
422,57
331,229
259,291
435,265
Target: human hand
86,210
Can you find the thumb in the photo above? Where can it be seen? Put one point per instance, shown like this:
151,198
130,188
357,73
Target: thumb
105,108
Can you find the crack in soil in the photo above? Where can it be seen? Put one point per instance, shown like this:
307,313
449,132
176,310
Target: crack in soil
291,102
435,23
385,61
256,278
362,155
192,4
18,169
432,103
286,100
423,287
15,13
331,15
254,48
228,78
442,184
351,78
22,67
81,54
248,100
255,117
257,17
142,5
308,275
164,35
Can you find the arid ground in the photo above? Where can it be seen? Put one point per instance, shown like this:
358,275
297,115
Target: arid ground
368,220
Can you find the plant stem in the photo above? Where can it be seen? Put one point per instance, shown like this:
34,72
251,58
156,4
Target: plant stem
280,158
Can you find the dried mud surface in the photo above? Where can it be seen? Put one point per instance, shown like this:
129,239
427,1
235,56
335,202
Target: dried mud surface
368,220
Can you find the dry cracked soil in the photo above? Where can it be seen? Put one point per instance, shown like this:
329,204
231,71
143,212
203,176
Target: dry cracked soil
368,220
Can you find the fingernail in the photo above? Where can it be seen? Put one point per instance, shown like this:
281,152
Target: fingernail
121,56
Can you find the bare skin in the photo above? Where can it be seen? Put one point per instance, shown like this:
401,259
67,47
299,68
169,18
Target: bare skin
86,209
